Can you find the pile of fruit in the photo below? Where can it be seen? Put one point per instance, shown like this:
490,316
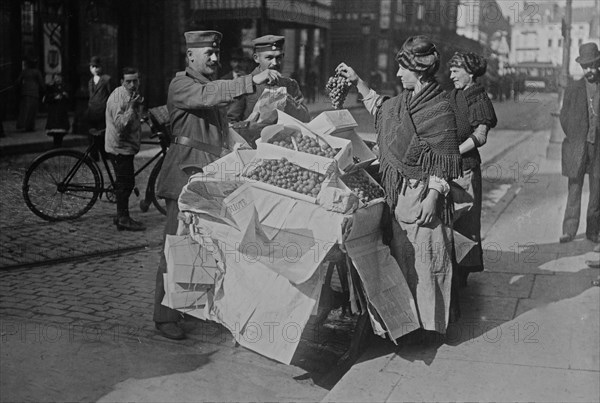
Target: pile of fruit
338,87
305,144
284,174
361,186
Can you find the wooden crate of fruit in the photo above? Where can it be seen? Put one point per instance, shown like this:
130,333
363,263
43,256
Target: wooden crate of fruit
281,176
366,188
290,173
311,142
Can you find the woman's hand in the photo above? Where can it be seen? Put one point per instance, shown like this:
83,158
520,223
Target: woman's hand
348,72
428,208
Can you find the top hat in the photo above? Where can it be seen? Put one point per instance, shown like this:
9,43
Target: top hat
588,53
95,61
268,42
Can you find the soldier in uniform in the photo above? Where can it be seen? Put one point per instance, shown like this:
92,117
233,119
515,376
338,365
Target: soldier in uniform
268,54
200,130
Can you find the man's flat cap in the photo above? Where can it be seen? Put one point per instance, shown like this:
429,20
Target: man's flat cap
203,39
268,42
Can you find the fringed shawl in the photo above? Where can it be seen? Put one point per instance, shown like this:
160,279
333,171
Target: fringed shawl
481,110
472,107
416,138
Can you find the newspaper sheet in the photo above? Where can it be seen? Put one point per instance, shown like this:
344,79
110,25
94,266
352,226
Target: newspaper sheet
385,286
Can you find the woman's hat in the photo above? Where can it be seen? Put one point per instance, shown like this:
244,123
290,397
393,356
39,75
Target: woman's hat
419,54
471,62
588,53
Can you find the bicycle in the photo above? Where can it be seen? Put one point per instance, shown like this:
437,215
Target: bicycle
64,184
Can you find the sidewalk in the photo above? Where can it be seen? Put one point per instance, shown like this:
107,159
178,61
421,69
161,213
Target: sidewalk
530,323
15,143
37,141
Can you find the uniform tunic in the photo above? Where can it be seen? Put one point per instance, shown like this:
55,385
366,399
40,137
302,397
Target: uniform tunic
196,110
243,107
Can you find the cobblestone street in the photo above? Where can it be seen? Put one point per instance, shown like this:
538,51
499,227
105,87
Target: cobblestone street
82,281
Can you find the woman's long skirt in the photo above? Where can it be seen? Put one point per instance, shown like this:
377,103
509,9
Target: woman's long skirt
424,254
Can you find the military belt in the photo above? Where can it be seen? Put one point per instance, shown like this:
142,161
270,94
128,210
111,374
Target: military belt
198,145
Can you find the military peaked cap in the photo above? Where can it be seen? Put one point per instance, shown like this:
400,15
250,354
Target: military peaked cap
203,39
268,42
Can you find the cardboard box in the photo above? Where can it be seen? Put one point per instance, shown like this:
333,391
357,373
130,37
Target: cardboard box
330,122
341,124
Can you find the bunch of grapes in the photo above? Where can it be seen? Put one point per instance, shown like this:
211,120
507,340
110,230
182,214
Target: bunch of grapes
338,87
362,187
284,174
306,144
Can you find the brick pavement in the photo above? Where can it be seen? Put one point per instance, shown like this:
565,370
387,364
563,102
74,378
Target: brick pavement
26,239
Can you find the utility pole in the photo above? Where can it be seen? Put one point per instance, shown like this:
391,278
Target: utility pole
557,134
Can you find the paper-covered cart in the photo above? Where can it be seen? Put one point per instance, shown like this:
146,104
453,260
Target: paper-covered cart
260,231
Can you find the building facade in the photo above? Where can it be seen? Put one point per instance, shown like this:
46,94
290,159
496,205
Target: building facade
367,35
537,36
62,35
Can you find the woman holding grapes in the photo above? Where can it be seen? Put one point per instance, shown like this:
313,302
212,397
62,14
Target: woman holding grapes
419,156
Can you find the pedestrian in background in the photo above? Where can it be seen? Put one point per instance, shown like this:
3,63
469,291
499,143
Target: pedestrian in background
200,132
580,120
419,155
57,101
31,87
99,89
311,85
475,116
236,64
123,140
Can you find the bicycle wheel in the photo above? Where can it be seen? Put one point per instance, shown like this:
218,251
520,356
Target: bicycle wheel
51,195
160,205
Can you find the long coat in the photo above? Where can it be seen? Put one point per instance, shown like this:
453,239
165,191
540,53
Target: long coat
197,111
242,107
575,123
99,94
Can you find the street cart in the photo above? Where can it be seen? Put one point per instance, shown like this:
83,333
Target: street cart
262,230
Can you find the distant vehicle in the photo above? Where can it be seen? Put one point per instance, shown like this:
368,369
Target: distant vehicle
535,84
539,76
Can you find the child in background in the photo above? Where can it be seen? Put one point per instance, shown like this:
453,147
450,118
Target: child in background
57,100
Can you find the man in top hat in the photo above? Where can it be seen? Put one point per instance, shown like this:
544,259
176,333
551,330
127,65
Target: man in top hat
580,120
200,136
268,54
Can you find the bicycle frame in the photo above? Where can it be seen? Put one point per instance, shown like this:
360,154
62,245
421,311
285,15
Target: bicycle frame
151,160
65,184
